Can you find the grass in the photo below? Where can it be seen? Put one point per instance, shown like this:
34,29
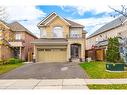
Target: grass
97,70
107,86
8,67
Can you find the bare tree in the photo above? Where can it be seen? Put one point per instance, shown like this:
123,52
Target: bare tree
3,13
122,11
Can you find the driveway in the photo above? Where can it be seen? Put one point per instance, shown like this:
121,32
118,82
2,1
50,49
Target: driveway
46,71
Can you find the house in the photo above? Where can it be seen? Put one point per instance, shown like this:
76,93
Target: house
115,28
112,29
61,40
17,39
6,35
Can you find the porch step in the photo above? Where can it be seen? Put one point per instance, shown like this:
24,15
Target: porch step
76,60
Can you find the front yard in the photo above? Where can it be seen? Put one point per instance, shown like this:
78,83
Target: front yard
108,86
97,70
8,67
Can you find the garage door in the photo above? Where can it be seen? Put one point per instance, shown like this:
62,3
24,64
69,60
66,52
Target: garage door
52,55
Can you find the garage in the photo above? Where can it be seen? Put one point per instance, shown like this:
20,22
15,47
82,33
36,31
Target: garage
52,55
50,50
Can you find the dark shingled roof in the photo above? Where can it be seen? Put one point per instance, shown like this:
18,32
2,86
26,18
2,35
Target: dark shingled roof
50,16
113,24
50,41
73,24
17,27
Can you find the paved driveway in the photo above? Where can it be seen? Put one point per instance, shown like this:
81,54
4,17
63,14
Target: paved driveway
46,71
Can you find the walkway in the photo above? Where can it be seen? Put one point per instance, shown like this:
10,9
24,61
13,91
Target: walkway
55,83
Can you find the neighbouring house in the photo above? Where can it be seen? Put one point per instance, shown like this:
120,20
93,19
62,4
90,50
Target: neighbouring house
15,41
61,40
99,39
6,35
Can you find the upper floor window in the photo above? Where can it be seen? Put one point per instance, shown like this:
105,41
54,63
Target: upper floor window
75,34
58,32
43,33
97,40
18,36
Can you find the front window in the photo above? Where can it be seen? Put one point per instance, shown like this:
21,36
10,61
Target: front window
18,36
58,32
75,34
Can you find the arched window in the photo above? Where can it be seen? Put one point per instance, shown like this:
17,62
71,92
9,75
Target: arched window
58,32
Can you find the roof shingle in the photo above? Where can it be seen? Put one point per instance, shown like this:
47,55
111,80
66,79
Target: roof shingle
113,24
17,27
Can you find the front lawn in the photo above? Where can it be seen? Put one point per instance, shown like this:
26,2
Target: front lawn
8,67
97,70
108,86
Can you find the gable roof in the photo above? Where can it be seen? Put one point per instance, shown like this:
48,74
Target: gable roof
17,27
51,16
5,23
113,24
73,24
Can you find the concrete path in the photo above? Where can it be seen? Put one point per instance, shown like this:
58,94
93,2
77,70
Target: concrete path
43,84
55,83
46,71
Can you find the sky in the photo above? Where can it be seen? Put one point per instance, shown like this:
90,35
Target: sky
92,17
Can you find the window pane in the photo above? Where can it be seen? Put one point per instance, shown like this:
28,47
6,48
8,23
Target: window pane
58,32
75,34
17,36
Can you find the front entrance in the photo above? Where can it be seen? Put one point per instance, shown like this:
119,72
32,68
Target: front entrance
75,50
16,52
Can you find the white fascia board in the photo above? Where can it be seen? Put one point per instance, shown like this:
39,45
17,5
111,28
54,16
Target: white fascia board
46,18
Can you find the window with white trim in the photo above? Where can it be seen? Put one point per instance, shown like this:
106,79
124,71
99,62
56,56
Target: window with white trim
18,36
75,34
58,32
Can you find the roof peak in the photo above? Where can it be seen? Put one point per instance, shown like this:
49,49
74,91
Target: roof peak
16,26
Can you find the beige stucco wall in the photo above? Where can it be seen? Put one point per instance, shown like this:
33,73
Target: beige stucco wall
56,22
105,35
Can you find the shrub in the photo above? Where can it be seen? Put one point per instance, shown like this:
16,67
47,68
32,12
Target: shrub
112,53
14,60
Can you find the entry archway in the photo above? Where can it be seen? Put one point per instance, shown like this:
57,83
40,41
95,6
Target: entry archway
75,50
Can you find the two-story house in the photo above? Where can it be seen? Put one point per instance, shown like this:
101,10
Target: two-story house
16,39
98,41
21,44
115,28
60,40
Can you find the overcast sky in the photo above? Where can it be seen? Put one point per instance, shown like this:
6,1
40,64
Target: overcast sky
91,14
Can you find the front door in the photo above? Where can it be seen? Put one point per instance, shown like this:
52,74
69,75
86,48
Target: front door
75,51
16,52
